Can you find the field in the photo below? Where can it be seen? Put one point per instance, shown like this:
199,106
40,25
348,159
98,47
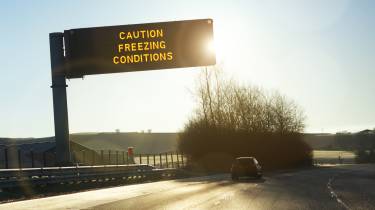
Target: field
333,157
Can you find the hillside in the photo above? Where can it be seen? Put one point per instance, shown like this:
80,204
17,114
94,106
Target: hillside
320,141
145,143
166,142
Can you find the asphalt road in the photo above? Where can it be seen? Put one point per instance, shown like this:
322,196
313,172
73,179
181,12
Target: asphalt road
330,187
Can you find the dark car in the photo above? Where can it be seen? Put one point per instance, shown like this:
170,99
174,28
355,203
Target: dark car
246,167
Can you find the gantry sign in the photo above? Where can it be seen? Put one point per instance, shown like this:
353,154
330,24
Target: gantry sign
138,47
125,48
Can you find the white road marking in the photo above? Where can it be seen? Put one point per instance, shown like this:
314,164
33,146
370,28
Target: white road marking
334,195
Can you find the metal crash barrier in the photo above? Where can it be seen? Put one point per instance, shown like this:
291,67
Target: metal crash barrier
99,173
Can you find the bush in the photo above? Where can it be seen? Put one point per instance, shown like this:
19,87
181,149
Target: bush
365,156
233,120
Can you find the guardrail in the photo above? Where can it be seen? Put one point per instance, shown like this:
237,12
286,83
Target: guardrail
10,178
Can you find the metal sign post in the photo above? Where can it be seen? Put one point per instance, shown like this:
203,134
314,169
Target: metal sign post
60,106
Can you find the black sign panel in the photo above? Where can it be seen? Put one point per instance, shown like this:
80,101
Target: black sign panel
138,47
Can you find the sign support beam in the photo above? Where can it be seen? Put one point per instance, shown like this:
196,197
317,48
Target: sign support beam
60,107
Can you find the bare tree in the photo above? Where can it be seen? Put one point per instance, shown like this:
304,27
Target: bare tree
226,104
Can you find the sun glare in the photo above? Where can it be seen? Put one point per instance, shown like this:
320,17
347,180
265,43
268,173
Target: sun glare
221,45
211,48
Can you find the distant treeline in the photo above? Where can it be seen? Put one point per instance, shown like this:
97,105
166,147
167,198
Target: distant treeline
234,120
363,143
357,141
341,141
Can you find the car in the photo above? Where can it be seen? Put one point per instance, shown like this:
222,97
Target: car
246,167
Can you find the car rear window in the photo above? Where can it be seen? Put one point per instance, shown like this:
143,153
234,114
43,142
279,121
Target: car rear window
245,161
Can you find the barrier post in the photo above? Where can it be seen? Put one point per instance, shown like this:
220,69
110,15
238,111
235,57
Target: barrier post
161,161
154,161
109,157
83,157
19,159
93,158
6,158
44,159
182,159
102,157
178,161
172,159
166,159
32,158
116,158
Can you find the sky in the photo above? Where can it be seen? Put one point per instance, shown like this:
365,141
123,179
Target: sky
318,53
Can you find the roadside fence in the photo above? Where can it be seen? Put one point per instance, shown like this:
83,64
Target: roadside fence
17,158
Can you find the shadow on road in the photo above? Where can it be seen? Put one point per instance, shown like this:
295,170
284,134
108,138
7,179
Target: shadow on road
250,180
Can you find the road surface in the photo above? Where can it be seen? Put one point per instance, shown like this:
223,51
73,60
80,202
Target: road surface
330,187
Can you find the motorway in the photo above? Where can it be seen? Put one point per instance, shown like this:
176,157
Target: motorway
328,187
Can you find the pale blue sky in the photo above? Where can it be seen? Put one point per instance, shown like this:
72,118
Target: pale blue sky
319,53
